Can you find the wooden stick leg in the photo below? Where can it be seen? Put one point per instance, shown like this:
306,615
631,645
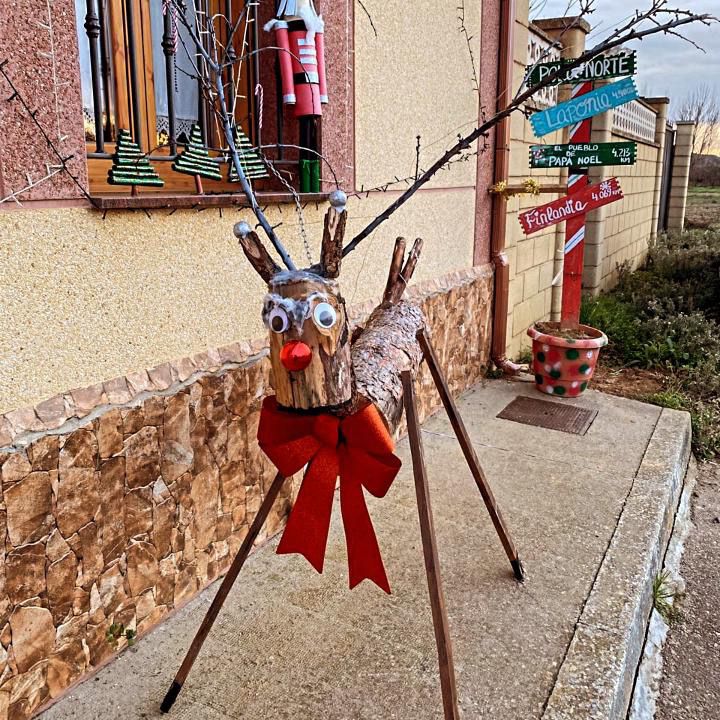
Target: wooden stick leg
222,594
470,455
432,564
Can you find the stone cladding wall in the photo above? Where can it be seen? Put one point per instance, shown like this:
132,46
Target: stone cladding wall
120,502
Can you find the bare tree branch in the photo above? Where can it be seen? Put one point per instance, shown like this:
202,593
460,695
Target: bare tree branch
627,33
216,79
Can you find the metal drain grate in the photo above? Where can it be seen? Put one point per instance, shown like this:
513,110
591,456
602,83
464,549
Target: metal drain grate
550,415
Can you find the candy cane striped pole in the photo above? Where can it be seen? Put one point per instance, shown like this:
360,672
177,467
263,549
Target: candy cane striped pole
575,227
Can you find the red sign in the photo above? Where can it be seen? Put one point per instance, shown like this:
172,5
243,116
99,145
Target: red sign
592,197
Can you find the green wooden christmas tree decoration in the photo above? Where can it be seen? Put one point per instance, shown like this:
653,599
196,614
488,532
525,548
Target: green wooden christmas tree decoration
195,160
249,158
130,166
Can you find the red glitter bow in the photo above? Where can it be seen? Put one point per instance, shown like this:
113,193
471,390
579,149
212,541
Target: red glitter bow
359,449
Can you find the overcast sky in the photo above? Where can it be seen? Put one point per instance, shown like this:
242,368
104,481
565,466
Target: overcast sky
666,65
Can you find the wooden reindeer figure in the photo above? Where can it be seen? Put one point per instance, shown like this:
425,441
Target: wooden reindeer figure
336,402
339,398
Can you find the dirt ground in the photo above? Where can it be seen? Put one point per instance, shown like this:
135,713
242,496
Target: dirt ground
690,687
635,383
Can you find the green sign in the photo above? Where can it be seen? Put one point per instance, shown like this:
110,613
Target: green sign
598,68
583,155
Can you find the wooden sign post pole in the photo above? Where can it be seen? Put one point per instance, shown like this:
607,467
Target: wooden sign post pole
575,227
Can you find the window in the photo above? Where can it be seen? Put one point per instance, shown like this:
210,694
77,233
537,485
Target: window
139,73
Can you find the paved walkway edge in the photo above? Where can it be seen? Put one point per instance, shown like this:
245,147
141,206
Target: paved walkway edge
595,680
649,675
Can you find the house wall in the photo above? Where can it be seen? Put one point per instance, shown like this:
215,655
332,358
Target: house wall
133,357
628,224
85,299
531,257
90,295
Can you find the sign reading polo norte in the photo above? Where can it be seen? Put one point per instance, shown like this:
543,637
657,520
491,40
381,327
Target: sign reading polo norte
583,107
590,198
583,155
601,67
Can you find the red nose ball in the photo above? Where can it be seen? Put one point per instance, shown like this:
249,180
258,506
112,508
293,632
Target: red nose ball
295,355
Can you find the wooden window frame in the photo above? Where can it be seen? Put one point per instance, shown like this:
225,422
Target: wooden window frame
120,78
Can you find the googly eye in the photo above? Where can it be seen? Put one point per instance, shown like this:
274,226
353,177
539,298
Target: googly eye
324,315
278,320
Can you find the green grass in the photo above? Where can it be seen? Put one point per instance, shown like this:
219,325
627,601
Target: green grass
665,598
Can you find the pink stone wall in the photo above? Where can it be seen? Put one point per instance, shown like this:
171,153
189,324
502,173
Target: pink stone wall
489,56
126,509
337,124
28,38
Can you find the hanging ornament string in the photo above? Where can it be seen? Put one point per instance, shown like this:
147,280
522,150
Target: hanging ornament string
260,95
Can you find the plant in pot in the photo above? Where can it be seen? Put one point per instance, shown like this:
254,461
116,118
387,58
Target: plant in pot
564,356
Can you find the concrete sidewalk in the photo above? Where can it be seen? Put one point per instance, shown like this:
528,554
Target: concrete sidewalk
589,514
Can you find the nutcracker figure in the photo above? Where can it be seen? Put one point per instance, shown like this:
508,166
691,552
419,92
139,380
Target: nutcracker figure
299,35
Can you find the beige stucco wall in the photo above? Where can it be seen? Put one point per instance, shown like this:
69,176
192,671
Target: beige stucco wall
413,78
85,299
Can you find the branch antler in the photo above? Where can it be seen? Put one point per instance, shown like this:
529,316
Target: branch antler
333,235
400,275
255,251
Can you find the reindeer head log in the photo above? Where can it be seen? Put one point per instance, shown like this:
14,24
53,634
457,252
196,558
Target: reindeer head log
305,315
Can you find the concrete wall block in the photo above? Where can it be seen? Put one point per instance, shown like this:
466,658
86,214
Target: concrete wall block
531,282
545,277
525,254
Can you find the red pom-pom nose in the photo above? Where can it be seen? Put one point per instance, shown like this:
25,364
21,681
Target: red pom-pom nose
295,355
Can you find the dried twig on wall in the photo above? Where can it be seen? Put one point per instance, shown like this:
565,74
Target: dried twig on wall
468,41
63,160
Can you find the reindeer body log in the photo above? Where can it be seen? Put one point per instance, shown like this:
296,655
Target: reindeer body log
387,346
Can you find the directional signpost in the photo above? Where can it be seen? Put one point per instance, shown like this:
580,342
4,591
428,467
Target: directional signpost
571,207
583,155
602,67
578,156
584,106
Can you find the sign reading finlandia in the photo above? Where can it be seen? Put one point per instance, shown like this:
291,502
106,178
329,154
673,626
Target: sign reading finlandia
583,155
601,67
590,198
584,106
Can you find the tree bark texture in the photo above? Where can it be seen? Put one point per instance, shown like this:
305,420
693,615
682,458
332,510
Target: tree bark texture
387,346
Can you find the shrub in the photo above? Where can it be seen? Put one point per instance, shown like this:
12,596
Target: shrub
619,322
667,316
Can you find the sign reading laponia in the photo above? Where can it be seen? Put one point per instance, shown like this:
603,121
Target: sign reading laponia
601,67
583,155
584,106
591,198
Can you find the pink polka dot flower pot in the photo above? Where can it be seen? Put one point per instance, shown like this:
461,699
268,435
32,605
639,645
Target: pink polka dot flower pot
563,366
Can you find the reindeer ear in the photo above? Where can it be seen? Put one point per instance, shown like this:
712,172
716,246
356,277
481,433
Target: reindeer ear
334,235
255,251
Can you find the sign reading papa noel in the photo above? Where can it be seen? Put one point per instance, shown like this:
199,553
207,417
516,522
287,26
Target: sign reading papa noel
583,155
584,107
591,198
